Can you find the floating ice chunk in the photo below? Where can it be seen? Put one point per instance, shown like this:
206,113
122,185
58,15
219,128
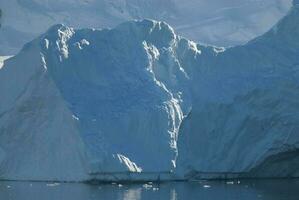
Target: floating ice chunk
52,184
147,186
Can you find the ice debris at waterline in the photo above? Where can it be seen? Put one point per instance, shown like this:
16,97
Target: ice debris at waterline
139,102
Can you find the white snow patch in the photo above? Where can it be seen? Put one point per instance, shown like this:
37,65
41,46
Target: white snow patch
219,49
84,42
46,43
132,167
44,63
75,117
2,59
193,46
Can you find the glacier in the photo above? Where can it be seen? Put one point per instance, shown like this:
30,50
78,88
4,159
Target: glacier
139,102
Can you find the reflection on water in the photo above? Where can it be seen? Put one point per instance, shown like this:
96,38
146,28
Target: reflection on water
237,190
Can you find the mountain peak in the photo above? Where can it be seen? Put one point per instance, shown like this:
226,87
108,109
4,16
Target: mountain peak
160,33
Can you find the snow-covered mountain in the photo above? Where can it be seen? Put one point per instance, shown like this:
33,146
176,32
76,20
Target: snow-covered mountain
140,102
217,22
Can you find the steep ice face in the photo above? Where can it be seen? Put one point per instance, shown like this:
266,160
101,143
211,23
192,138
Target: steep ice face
138,99
122,92
39,139
108,79
244,112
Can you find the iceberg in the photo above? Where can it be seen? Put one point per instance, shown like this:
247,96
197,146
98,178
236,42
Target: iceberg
139,102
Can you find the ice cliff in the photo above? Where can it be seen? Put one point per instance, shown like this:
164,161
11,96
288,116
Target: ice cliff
139,102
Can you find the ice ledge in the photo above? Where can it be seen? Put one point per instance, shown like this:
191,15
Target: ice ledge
134,177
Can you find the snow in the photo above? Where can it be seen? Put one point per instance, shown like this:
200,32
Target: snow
2,59
139,102
218,22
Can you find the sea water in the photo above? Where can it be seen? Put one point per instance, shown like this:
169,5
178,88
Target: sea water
199,190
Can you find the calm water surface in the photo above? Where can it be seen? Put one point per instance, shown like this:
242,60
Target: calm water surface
237,190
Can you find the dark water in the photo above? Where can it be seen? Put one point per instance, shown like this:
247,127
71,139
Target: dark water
243,190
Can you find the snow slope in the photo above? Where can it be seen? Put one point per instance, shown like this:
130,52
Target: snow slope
139,102
217,22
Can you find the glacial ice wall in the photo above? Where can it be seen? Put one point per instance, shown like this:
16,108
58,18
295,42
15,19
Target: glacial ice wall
140,102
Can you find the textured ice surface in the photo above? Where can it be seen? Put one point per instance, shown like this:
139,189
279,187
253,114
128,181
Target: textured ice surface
140,102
